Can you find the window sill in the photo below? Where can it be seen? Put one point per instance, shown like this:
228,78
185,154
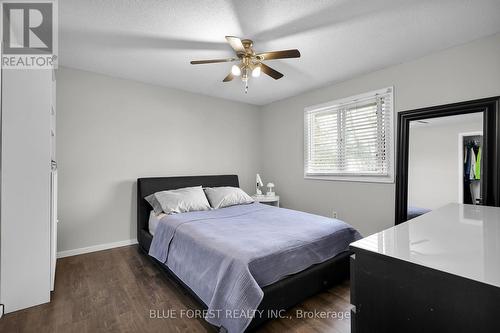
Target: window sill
361,179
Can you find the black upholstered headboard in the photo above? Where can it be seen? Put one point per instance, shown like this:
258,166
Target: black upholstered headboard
147,186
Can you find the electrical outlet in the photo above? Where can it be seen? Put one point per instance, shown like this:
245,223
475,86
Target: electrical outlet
335,215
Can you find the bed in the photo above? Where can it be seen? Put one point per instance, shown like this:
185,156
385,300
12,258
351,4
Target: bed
277,295
414,211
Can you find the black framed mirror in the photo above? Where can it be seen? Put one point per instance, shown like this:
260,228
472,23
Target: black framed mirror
490,172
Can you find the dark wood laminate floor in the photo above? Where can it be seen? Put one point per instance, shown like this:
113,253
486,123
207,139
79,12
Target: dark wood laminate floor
114,291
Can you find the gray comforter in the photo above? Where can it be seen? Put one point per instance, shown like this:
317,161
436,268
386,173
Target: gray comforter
227,255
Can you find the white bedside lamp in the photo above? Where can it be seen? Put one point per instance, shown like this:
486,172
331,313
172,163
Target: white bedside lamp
259,183
270,190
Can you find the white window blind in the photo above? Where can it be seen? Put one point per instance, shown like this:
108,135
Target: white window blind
351,139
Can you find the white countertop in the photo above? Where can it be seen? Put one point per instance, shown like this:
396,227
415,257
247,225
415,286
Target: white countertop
459,239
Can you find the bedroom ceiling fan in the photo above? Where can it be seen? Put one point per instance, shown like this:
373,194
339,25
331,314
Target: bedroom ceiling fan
250,63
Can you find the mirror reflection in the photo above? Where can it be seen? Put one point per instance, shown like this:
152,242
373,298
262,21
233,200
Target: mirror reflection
444,162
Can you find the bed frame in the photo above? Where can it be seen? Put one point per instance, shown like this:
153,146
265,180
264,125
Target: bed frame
278,296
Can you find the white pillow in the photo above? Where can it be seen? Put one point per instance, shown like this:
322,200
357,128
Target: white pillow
154,219
225,196
187,199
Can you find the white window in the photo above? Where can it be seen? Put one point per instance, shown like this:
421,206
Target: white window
351,139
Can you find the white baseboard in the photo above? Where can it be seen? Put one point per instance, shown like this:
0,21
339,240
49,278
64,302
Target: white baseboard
94,248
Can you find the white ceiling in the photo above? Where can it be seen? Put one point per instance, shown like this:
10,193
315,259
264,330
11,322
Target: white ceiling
153,40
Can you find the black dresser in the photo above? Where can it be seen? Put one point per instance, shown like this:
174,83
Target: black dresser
439,272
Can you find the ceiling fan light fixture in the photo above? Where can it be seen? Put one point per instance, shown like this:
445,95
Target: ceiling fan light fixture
236,70
250,62
256,71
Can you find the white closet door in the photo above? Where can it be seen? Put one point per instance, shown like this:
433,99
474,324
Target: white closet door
53,188
25,188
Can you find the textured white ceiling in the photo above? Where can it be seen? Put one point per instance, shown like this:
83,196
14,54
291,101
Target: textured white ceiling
154,40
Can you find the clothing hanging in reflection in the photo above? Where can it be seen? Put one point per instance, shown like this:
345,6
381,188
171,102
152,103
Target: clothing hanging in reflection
472,170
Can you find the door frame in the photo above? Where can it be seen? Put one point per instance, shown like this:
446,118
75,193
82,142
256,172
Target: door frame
490,189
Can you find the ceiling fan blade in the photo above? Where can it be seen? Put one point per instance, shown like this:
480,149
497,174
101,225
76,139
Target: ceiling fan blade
279,54
235,43
271,72
228,78
212,61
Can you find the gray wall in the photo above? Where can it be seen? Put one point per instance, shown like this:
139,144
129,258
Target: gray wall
112,131
433,179
462,73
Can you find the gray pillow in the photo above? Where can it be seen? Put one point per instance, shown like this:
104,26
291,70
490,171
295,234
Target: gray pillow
151,199
226,196
187,199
